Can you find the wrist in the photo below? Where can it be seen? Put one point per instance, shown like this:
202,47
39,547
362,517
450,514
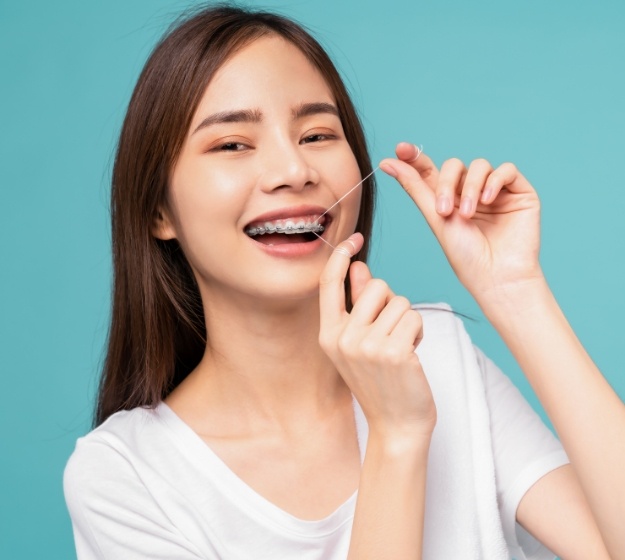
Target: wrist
515,298
523,313
400,445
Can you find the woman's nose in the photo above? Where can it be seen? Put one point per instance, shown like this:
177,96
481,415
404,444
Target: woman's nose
286,167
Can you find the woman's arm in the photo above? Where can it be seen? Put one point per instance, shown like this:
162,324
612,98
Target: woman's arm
556,512
388,522
487,221
586,413
373,347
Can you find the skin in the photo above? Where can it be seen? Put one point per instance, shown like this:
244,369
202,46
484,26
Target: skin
265,388
272,395
229,173
266,397
487,222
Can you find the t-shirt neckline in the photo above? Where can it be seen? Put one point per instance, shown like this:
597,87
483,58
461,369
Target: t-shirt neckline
239,491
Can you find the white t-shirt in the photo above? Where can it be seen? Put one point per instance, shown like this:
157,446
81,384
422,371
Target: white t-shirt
144,485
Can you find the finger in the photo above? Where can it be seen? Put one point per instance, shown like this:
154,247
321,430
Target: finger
508,176
414,156
450,180
373,299
422,195
359,275
332,280
390,316
409,330
407,152
475,181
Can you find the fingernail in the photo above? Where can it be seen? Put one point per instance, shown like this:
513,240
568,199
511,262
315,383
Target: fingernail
466,206
488,192
388,168
443,205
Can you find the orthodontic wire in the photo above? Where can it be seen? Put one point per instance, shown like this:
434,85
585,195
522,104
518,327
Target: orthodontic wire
419,152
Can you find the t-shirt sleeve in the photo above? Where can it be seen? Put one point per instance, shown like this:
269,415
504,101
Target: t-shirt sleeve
524,450
113,515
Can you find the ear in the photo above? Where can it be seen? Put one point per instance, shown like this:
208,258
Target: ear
163,226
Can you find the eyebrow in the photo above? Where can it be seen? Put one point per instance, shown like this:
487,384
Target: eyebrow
241,116
309,109
255,116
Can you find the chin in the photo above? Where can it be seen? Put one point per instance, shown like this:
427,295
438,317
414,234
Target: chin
289,292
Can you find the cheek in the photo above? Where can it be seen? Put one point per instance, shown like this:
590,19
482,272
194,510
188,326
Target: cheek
203,195
351,205
345,176
206,205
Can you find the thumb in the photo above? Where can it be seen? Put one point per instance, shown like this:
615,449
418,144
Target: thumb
359,275
421,193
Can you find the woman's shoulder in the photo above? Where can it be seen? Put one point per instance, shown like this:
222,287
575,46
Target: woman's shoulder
112,447
124,425
118,486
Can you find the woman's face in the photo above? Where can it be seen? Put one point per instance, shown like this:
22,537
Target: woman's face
265,148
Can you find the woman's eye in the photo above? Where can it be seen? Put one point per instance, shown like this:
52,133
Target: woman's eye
230,147
316,138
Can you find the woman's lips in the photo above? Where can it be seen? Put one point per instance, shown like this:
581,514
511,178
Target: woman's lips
271,236
290,232
287,248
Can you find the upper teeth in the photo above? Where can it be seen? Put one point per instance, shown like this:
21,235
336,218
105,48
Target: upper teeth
289,227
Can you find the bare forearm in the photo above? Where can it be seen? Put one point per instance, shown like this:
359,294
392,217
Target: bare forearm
391,500
587,414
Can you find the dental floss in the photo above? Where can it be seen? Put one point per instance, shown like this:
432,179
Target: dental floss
352,244
339,200
343,251
419,152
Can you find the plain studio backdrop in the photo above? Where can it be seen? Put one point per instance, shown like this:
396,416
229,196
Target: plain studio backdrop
541,84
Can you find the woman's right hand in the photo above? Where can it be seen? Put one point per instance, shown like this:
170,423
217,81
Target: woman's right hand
373,348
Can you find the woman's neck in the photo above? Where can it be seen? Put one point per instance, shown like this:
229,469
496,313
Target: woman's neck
263,369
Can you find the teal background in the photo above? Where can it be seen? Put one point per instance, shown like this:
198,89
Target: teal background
538,83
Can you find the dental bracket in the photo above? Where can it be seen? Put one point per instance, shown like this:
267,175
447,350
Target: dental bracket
288,229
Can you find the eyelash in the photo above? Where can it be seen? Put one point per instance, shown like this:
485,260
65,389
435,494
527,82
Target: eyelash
319,137
225,147
239,146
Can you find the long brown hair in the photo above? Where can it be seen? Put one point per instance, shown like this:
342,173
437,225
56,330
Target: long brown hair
157,333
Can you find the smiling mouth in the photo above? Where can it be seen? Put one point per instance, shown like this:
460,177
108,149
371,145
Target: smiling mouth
302,229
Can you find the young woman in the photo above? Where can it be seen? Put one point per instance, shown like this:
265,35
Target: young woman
262,396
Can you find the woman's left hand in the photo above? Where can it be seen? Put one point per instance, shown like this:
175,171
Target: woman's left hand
486,220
